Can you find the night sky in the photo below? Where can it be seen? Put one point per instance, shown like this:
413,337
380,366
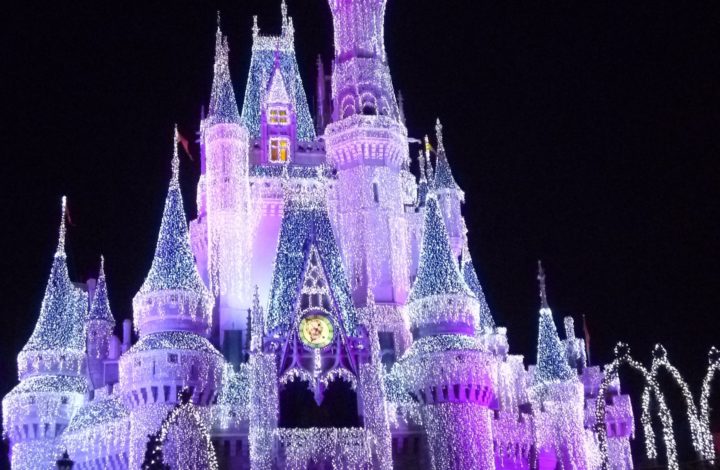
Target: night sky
584,133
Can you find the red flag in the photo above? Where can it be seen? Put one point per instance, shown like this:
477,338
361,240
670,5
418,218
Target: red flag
185,145
587,340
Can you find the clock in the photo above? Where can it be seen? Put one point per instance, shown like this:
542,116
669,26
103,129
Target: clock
316,331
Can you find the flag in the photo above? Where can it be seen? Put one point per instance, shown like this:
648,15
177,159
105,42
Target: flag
185,145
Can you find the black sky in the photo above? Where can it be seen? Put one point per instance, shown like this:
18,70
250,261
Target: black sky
584,133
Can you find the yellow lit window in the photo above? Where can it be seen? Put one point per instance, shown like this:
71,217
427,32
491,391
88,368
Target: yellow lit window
279,149
278,116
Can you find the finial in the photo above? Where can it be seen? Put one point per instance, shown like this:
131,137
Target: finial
439,136
541,281
101,273
421,163
255,27
284,12
63,230
401,106
428,158
175,179
218,19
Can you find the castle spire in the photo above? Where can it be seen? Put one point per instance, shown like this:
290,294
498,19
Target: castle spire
223,106
173,275
438,272
551,365
443,175
61,324
100,307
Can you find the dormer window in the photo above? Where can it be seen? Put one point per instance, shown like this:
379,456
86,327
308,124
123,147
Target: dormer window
278,116
279,149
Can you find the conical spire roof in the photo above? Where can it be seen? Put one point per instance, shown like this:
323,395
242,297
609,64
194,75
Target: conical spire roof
443,175
173,267
61,325
551,363
223,106
471,279
438,272
100,307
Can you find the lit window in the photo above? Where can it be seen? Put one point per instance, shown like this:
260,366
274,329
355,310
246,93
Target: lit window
278,116
279,150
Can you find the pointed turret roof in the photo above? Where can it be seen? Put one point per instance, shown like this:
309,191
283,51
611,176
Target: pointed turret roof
438,272
173,266
443,175
422,182
223,106
551,365
304,228
100,307
471,279
61,324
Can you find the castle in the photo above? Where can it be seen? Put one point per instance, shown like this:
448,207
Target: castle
322,311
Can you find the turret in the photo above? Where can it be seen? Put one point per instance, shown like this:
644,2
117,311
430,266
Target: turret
100,325
557,396
229,227
173,313
450,196
51,368
447,369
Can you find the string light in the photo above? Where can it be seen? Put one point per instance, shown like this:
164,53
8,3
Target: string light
701,436
712,369
623,357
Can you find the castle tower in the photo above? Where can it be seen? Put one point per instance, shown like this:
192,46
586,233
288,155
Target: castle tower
557,397
450,196
51,369
447,369
172,313
230,221
100,325
367,144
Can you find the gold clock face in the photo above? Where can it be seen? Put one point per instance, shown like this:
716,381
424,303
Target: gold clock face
316,331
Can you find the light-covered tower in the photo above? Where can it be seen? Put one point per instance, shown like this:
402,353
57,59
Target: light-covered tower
229,211
51,369
450,196
173,314
367,144
100,325
486,322
557,397
447,369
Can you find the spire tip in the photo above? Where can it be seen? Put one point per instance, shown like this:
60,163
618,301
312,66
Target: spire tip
541,282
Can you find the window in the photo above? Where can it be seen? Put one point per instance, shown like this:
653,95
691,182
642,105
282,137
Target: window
376,193
172,358
279,149
278,116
